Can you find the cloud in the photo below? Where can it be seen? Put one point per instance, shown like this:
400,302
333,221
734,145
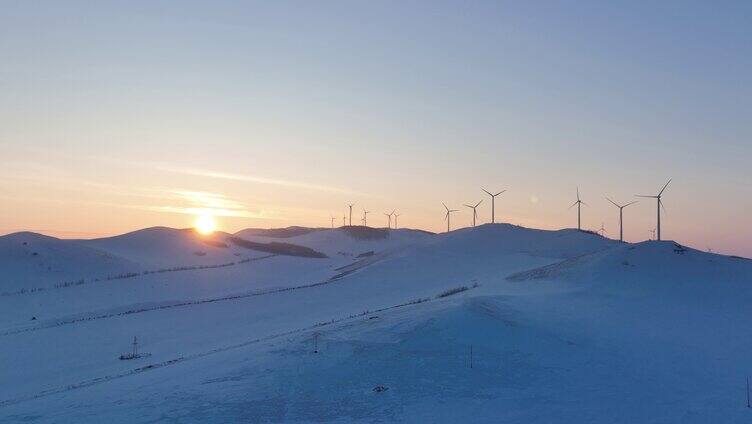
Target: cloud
254,179
204,203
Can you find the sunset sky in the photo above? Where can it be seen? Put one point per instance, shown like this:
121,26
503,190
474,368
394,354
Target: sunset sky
116,116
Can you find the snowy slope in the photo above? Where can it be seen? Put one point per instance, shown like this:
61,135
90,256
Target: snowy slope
499,239
565,326
30,260
649,263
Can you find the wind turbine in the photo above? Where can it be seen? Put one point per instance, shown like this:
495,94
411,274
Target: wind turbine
652,232
365,217
579,203
475,212
447,216
493,203
351,205
344,220
389,215
659,205
332,216
395,219
602,230
621,216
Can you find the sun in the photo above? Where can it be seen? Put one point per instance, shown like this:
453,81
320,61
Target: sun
205,224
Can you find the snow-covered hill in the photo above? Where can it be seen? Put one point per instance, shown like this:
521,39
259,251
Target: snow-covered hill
650,263
564,326
30,260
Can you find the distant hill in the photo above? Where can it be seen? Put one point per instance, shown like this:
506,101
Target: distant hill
287,232
278,248
158,247
345,241
34,260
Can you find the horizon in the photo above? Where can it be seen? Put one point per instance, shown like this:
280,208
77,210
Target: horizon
221,111
233,233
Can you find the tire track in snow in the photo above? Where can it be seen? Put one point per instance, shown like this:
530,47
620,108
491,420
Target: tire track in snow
181,359
60,323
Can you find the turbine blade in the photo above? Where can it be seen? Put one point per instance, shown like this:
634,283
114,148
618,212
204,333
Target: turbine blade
630,203
445,206
664,187
645,195
468,206
578,192
573,204
502,191
584,203
613,202
478,204
664,208
489,193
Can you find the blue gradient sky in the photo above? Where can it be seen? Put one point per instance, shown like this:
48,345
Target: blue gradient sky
121,115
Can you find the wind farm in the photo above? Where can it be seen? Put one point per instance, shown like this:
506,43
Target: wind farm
272,262
285,212
655,233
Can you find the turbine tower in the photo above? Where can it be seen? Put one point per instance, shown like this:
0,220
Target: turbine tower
448,213
621,216
365,217
395,219
332,216
659,206
493,203
344,220
475,212
579,203
351,205
602,230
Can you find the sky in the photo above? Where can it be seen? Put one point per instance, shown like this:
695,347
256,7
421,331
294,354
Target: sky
116,116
